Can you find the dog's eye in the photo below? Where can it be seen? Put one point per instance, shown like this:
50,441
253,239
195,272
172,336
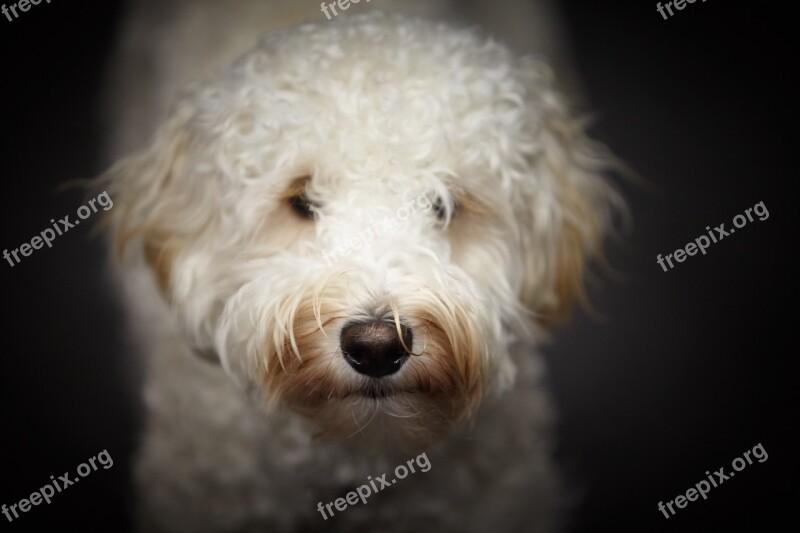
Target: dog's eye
295,196
301,205
441,211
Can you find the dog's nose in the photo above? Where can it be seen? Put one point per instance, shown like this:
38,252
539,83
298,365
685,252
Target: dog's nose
374,348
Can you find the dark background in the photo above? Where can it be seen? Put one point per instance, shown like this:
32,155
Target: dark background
684,371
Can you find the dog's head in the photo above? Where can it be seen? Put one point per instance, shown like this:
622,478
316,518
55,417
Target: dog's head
359,218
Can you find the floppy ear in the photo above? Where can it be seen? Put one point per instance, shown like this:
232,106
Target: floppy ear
568,206
150,203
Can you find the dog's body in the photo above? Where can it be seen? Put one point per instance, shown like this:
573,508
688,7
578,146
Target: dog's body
302,335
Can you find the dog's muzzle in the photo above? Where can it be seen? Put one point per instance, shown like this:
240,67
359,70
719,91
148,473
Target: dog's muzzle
375,348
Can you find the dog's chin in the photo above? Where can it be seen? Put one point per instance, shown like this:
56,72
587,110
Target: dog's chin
382,417
387,414
405,412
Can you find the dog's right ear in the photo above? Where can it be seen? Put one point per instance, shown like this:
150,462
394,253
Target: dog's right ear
148,202
568,205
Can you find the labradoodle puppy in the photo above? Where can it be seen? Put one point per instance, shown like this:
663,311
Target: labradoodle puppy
339,253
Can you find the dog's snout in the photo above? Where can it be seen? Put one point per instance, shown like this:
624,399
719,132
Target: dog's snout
374,348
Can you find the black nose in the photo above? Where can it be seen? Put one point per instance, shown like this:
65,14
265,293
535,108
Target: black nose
374,348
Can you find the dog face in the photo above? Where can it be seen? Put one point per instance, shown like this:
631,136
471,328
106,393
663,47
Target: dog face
359,219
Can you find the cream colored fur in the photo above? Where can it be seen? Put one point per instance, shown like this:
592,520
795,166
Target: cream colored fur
253,414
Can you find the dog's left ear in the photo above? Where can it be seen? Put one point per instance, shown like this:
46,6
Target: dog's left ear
152,195
567,204
162,204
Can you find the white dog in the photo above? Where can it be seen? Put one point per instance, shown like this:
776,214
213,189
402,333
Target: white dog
365,222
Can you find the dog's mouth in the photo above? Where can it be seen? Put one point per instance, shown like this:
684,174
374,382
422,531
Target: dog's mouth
375,394
376,390
380,390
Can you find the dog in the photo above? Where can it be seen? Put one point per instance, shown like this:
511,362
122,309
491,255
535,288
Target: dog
338,254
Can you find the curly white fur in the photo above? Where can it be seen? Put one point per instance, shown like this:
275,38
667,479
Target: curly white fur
356,116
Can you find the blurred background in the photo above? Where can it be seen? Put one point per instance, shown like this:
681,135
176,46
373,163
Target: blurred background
681,373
